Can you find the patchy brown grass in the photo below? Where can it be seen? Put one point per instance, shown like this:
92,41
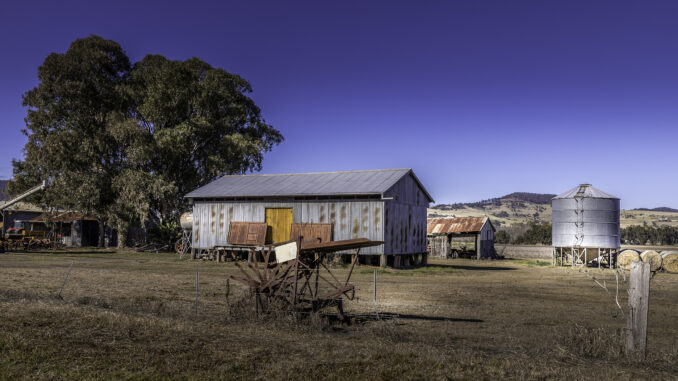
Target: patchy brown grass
126,315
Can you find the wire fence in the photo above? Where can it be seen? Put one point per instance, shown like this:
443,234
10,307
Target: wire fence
127,284
207,290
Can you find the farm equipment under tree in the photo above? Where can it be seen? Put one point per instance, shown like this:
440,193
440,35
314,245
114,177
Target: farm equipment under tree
18,236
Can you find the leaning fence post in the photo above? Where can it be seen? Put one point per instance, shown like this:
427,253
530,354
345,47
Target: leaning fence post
639,300
66,279
374,296
197,274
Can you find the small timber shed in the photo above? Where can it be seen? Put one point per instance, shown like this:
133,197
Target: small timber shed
380,205
440,231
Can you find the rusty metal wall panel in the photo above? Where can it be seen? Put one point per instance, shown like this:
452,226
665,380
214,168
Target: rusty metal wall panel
247,233
312,233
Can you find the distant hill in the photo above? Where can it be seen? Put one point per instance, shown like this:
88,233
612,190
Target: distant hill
3,188
522,208
519,197
535,198
662,209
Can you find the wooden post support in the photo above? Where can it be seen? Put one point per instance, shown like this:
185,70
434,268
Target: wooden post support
639,300
396,261
192,253
382,261
478,246
424,259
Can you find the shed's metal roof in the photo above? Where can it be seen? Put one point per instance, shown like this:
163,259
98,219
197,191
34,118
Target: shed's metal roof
587,191
455,225
371,182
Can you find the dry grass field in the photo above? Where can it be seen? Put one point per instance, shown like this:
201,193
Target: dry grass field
126,315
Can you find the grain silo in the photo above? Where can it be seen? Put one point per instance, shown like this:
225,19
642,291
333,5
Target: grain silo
585,226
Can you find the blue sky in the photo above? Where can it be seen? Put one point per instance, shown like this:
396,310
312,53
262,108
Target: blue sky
480,98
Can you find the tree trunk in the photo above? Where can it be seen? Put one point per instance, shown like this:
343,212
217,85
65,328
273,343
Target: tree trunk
122,237
102,230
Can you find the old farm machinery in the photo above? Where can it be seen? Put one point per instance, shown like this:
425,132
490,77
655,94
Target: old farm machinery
18,236
296,277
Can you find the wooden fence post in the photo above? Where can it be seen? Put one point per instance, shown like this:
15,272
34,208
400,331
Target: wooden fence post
639,300
374,296
197,275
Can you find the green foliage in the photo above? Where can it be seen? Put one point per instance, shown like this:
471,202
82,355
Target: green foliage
202,124
648,235
536,234
502,237
167,232
122,142
70,112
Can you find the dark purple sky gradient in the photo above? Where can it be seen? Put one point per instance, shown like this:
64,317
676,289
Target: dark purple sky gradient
480,98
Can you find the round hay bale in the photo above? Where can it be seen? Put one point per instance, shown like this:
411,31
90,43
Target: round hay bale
670,261
653,258
625,258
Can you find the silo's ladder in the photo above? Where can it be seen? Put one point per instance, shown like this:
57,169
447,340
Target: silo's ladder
579,210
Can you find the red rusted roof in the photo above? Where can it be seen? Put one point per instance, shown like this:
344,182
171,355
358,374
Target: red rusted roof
454,225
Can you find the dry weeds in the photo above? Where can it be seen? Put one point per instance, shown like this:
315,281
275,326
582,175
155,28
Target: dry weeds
132,316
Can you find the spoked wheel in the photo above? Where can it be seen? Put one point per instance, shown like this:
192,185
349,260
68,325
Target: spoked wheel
302,283
180,246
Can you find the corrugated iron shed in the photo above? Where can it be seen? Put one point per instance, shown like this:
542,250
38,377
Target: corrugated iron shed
455,225
371,182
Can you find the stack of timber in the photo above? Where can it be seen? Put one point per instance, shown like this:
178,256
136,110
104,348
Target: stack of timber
653,258
670,261
625,258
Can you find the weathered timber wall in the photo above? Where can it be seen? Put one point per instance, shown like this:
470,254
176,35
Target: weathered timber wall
405,225
349,219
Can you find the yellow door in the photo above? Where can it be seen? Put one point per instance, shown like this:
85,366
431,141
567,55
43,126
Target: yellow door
279,221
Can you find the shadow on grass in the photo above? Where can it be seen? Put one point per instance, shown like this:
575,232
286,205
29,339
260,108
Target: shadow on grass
480,268
392,316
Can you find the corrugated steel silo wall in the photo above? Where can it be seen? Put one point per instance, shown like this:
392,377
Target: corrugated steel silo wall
601,222
349,219
405,218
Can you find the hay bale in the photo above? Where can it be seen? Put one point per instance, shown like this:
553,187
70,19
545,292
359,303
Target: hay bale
653,258
670,261
625,258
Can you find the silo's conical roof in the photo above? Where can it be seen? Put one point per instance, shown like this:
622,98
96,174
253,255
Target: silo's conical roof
586,190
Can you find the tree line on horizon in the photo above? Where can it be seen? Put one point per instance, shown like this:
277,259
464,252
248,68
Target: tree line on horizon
123,142
541,234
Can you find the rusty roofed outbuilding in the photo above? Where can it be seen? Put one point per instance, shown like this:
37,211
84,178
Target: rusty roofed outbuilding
380,205
441,230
